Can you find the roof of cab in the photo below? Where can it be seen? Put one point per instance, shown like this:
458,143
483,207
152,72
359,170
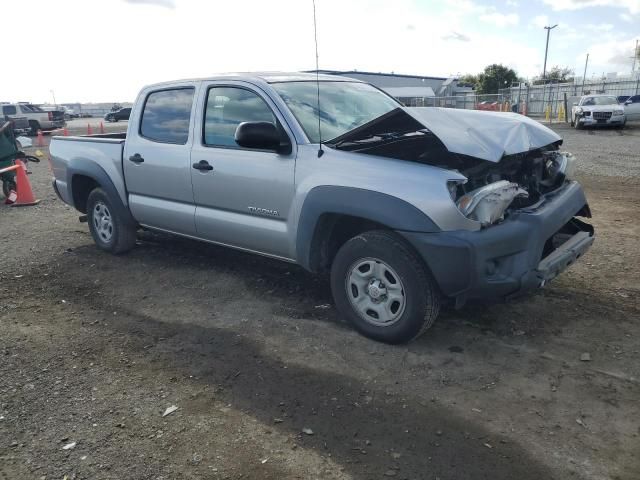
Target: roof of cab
268,77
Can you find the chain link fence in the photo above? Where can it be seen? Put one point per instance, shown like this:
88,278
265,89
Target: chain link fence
553,101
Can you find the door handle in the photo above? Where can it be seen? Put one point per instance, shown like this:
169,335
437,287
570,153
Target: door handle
136,158
202,165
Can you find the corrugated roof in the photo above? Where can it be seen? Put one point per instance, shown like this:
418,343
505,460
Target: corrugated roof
358,72
409,92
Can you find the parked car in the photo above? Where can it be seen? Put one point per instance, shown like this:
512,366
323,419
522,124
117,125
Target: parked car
622,98
487,105
37,118
405,207
597,110
632,107
121,114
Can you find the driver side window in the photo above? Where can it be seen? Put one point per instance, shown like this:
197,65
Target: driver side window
226,108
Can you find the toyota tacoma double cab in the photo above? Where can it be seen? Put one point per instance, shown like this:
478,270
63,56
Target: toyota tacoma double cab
404,208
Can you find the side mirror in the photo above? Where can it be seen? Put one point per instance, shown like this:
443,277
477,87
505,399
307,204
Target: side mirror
261,135
628,102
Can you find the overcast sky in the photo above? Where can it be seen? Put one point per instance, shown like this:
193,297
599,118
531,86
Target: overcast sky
105,50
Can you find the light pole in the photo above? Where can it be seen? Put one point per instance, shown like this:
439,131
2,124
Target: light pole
546,50
54,98
544,68
584,75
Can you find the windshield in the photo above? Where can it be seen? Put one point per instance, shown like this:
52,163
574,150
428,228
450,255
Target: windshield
600,101
343,106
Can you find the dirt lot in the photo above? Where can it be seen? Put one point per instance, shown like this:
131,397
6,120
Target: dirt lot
94,348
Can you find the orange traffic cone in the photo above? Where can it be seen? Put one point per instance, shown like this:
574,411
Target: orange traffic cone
65,132
40,139
101,128
23,187
89,129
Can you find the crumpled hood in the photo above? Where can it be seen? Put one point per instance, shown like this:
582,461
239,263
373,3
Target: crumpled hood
485,135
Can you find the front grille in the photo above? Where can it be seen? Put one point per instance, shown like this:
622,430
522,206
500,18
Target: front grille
601,115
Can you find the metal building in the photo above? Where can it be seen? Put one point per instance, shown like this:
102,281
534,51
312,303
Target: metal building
408,89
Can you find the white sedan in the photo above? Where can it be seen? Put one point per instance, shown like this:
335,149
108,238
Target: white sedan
598,110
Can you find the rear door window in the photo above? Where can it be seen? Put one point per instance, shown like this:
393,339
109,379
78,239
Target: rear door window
166,115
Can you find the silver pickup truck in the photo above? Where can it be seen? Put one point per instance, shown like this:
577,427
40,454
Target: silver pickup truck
405,207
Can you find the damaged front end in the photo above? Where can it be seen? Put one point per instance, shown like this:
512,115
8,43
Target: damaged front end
491,190
508,161
513,193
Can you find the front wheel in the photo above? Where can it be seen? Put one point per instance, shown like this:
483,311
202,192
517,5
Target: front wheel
383,289
109,230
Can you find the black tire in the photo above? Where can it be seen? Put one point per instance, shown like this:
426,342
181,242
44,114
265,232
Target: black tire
34,126
420,293
122,237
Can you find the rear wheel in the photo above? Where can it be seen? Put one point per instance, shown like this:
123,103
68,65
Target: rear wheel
109,230
382,287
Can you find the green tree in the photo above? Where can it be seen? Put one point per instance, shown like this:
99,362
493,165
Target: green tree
469,79
557,74
494,77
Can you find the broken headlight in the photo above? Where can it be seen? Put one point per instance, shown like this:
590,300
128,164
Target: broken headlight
562,163
487,204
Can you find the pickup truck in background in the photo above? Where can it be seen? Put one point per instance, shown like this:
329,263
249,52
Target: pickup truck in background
37,118
404,207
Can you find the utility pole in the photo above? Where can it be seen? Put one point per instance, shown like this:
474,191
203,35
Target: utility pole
636,52
544,69
584,75
546,50
54,98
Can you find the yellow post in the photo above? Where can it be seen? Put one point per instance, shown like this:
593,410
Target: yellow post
547,113
561,113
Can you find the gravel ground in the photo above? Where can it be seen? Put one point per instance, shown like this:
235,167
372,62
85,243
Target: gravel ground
269,382
605,151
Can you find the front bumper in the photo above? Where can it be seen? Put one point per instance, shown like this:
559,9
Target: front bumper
531,247
589,121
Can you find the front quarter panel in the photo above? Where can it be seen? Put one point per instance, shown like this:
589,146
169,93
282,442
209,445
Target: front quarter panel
415,189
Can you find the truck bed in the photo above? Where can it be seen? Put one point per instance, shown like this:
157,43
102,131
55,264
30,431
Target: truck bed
100,137
83,155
